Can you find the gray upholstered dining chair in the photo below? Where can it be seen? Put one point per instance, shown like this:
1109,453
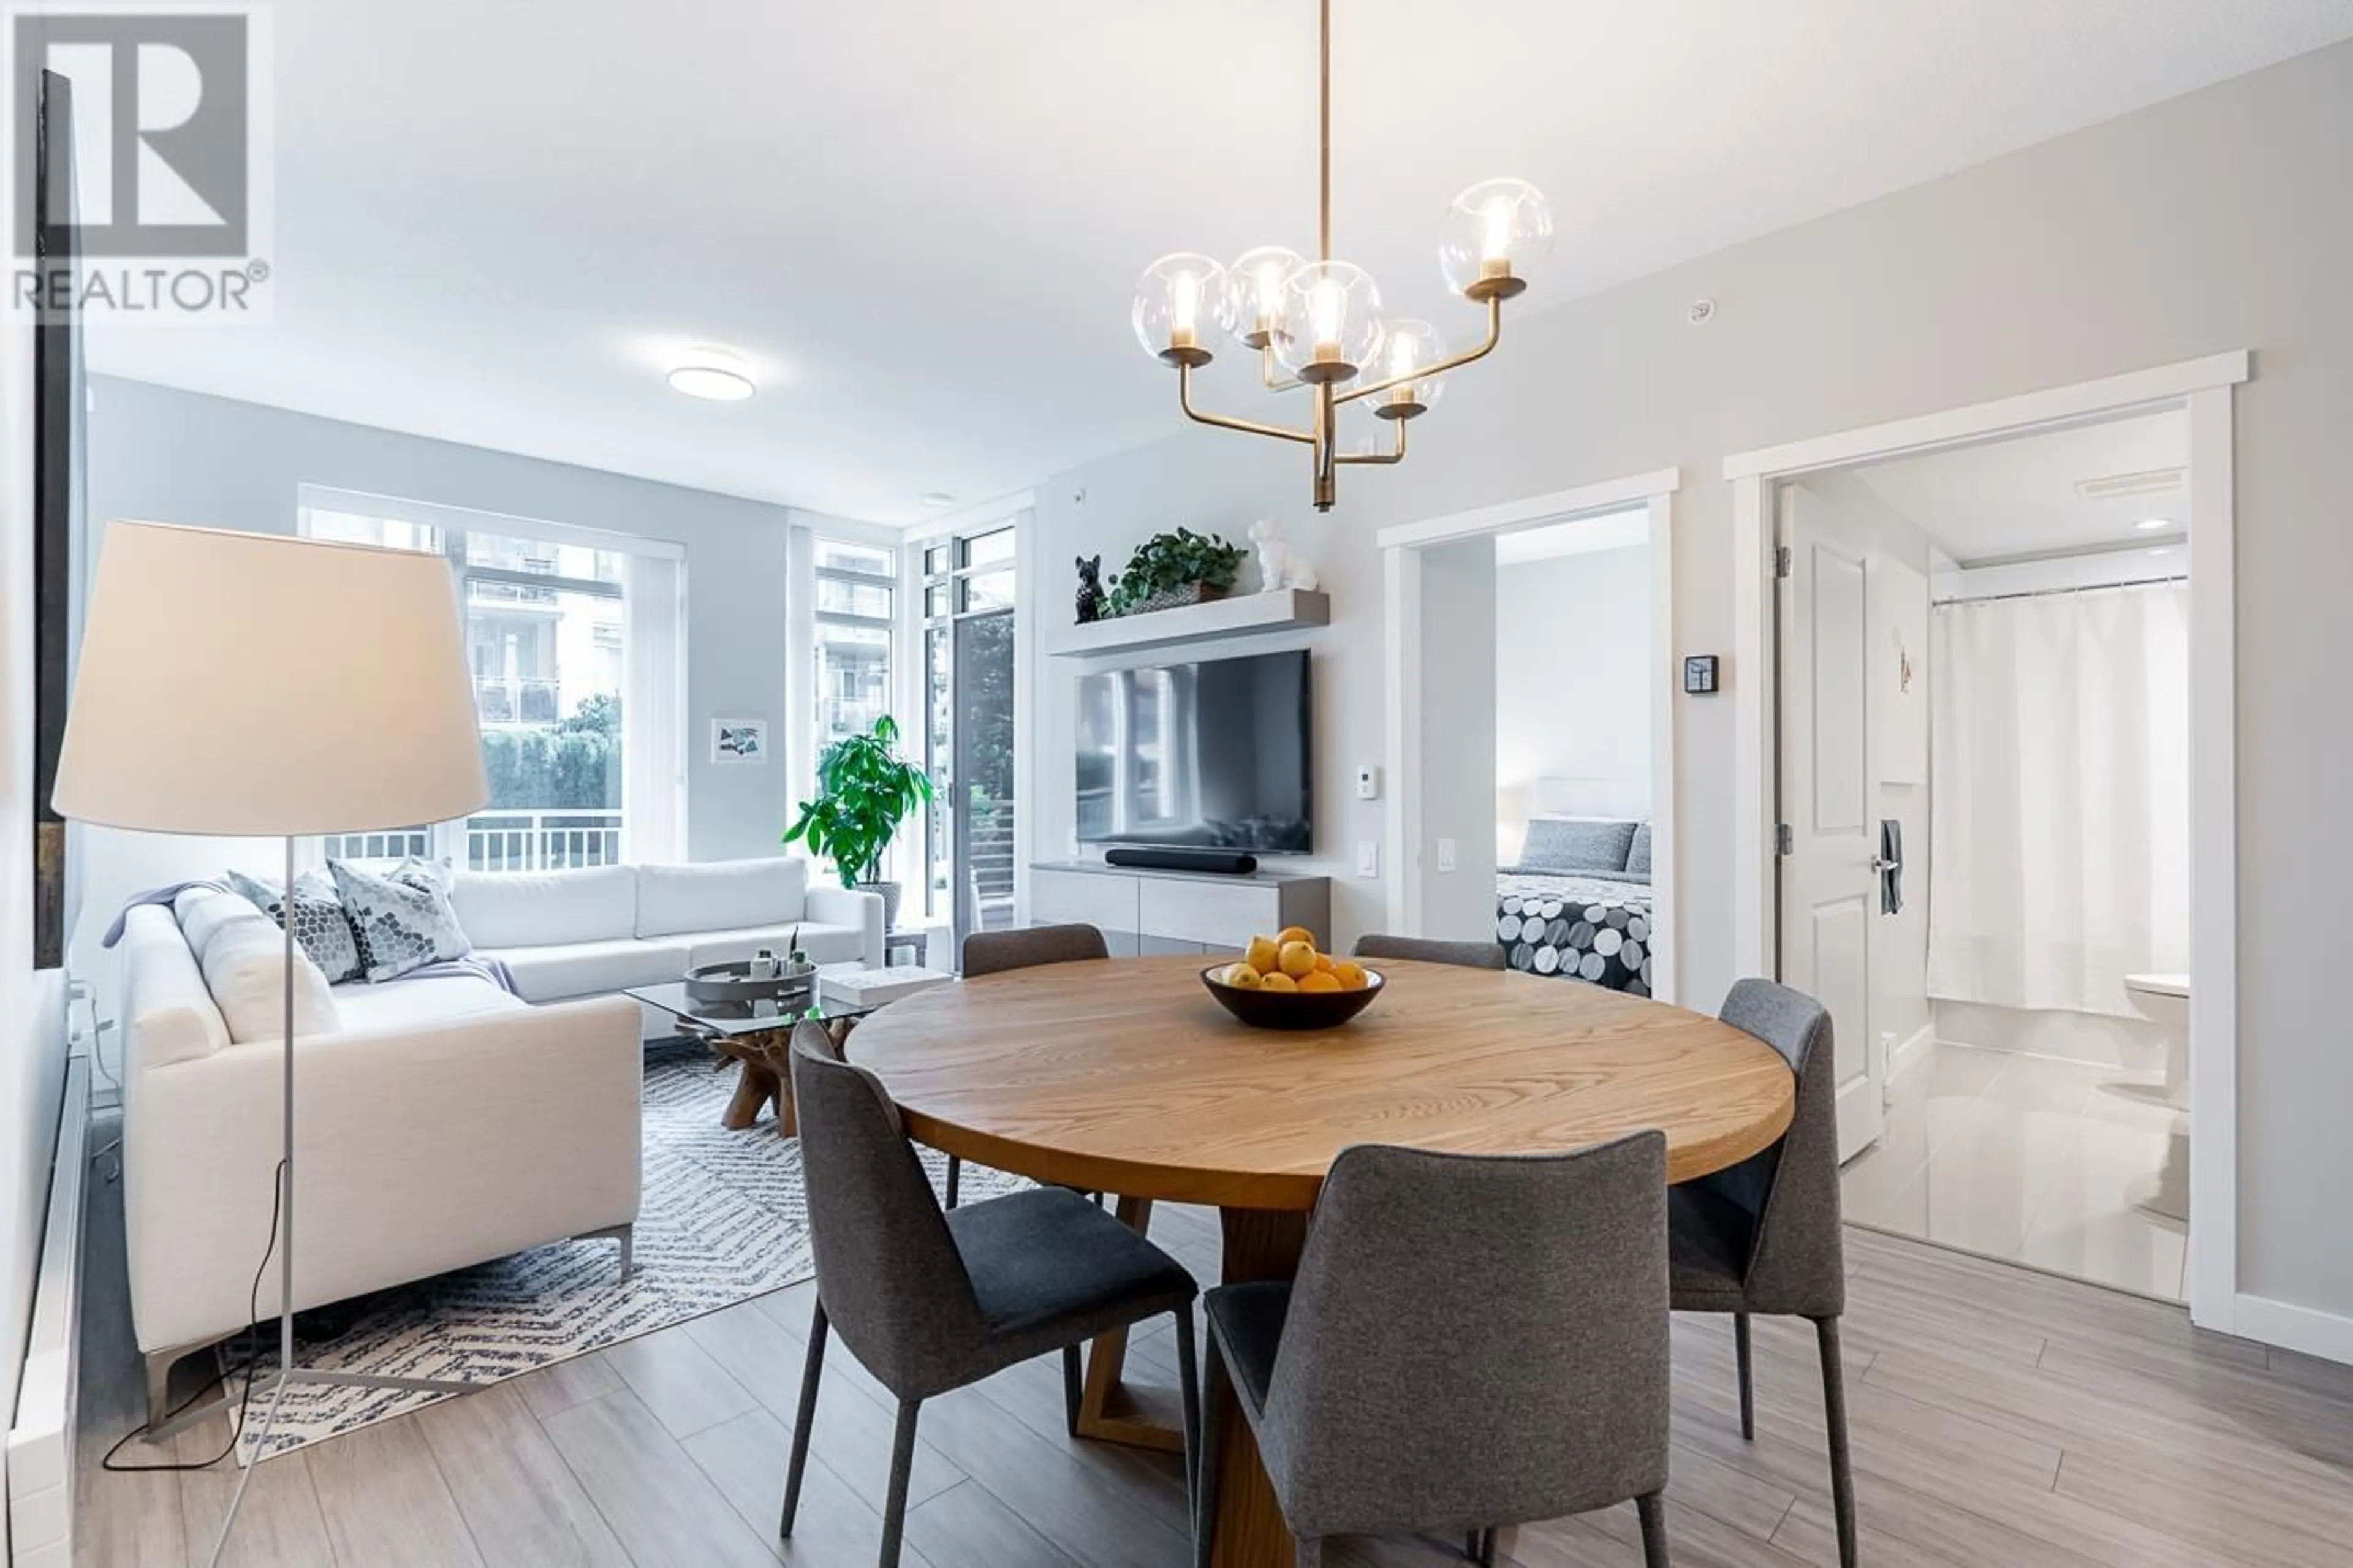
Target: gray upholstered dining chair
994,952
991,952
1467,954
1765,1236
930,1300
1472,1341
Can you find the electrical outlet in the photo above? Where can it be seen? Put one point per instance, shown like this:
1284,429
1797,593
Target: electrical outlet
1446,855
1368,857
1369,783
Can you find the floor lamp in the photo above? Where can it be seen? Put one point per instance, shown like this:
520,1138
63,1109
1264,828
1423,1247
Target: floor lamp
256,685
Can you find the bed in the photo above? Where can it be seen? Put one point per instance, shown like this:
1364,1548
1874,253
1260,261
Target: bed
1576,903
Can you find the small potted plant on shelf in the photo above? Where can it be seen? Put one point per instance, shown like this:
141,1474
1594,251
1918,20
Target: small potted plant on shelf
865,789
1172,569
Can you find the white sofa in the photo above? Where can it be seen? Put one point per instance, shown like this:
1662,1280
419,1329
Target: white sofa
564,935
441,1121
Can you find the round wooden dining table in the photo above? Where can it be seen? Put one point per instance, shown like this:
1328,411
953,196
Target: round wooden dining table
1126,1076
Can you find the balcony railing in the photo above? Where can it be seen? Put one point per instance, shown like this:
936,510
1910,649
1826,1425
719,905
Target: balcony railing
502,841
502,701
542,840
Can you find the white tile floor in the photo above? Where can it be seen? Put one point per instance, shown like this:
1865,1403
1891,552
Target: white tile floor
2028,1159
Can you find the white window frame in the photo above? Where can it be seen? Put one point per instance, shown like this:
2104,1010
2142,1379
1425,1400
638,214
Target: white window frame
653,794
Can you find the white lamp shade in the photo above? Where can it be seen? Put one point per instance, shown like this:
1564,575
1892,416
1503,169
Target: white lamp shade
256,684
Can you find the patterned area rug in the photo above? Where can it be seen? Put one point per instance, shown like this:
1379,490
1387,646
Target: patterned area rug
723,1221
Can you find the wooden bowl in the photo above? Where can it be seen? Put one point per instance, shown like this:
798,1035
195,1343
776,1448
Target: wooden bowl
1291,1009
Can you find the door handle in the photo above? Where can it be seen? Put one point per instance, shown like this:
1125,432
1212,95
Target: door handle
1880,864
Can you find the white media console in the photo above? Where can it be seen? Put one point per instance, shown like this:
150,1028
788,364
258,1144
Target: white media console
1143,912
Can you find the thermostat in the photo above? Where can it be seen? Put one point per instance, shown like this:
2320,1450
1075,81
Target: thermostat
1368,781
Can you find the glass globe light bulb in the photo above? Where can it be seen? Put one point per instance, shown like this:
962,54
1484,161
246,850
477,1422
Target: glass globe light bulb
1255,284
1492,236
1410,346
1331,321
1177,301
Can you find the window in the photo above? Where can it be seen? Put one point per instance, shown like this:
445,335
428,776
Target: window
548,627
857,589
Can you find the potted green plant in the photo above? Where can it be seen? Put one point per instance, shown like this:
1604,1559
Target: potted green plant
864,790
1172,569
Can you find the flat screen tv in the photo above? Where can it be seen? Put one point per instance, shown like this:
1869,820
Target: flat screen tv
1211,754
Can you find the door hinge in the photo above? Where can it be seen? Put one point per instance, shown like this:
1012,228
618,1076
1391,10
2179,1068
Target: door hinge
1784,842
1780,561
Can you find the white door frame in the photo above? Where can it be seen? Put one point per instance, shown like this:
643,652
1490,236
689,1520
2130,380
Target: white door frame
2202,386
1401,556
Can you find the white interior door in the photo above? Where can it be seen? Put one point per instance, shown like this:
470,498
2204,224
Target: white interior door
1829,840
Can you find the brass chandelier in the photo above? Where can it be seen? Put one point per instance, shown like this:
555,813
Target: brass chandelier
1318,324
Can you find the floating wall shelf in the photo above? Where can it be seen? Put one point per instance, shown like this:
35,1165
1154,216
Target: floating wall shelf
1239,616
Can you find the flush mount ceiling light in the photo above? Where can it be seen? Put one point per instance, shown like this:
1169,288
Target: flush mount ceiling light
938,498
1318,325
719,374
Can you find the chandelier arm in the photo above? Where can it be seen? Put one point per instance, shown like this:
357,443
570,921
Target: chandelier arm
1395,454
1273,382
1425,372
1223,422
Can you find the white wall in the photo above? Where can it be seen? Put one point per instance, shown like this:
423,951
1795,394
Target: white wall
2217,221
1573,679
167,456
1458,739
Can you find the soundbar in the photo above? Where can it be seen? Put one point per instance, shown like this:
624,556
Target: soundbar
1225,862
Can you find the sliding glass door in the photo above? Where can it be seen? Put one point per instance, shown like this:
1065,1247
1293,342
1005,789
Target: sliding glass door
969,622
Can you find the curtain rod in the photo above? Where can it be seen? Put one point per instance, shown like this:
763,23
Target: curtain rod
2050,593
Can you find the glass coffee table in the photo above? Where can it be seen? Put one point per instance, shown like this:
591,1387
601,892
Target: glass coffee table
758,1035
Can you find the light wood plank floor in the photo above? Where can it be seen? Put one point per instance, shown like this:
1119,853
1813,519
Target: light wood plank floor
2000,1417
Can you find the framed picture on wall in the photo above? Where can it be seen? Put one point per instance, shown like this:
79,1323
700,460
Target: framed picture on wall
739,741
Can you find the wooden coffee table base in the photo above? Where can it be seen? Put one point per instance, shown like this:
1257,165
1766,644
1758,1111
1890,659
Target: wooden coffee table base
1260,1244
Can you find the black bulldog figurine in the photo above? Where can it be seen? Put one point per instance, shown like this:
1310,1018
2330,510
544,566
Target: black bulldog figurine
1091,593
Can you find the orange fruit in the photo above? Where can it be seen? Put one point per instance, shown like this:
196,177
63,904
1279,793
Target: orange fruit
1323,962
1317,980
1350,974
1290,934
1241,977
1298,958
1278,981
1262,954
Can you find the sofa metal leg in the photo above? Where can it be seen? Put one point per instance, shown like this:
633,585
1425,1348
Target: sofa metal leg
624,1234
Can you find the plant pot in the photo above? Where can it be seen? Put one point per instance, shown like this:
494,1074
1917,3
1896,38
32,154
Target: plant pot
1177,597
890,893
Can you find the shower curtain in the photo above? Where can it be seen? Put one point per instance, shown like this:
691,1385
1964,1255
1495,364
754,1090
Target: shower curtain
2059,856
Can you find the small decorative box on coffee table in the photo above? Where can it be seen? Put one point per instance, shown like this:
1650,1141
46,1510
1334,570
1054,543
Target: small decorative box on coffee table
867,989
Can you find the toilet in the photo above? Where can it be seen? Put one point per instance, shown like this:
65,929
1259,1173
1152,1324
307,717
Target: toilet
2164,1000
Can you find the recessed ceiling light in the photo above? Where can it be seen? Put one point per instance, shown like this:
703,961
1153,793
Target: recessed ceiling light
2162,549
2147,523
938,498
719,374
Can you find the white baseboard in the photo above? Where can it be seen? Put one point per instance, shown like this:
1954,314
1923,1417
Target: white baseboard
2292,1328
41,1434
1910,1050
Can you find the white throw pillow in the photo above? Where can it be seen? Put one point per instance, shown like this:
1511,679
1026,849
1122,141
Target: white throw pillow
244,963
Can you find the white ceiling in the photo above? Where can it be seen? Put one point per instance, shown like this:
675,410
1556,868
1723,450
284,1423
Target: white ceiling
2018,498
922,219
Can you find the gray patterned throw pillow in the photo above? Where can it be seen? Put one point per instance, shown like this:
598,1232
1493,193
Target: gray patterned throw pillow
321,927
402,917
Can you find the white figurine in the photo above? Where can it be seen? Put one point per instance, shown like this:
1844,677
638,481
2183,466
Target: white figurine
1278,566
